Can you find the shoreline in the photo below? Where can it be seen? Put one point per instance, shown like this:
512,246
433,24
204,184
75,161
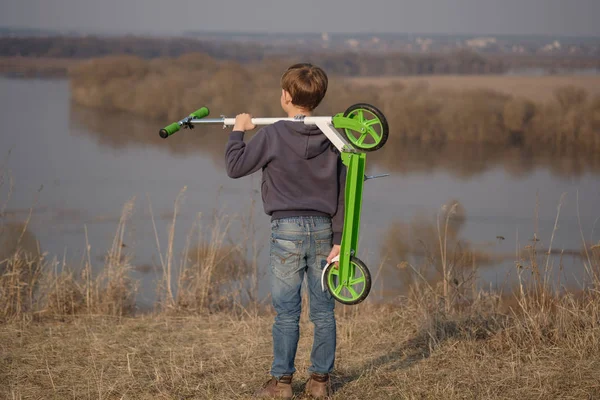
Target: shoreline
32,68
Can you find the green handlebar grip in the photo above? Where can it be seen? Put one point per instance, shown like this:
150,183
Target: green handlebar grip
169,130
174,127
200,113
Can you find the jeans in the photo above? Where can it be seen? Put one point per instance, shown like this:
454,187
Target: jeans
299,247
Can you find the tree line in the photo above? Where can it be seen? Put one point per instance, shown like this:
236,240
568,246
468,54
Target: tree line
342,63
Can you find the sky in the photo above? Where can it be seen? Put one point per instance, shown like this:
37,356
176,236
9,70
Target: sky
522,17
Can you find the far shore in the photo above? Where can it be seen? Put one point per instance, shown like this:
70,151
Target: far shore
536,88
32,67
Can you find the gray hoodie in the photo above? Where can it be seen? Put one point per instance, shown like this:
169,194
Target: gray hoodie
302,173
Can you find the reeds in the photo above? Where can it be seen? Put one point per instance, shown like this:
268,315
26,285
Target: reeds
33,285
212,272
21,260
19,278
168,89
66,290
429,259
442,288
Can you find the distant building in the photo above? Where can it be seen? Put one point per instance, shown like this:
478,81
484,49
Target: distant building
425,44
353,43
518,49
481,43
554,46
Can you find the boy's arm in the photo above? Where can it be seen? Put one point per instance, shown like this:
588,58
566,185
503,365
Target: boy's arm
337,221
242,158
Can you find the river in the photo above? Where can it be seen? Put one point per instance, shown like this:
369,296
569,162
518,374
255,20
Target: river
76,168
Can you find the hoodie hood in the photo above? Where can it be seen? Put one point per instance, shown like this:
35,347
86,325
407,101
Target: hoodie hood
307,141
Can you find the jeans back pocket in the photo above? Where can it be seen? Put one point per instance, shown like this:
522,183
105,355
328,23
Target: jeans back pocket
285,256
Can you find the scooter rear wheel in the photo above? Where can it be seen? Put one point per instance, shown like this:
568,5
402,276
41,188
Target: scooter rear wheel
356,289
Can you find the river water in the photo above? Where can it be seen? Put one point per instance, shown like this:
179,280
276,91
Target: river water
77,168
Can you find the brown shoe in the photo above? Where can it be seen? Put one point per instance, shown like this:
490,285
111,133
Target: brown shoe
276,388
318,386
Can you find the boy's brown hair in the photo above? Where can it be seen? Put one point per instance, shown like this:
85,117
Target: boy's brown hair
306,83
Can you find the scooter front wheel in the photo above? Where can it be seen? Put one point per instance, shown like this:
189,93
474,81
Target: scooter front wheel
374,136
355,289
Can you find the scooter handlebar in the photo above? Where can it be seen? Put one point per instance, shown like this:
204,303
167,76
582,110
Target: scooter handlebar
176,126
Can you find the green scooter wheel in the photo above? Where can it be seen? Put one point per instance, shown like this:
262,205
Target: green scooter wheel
356,289
377,127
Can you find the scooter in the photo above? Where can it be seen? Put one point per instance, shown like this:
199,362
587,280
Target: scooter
365,129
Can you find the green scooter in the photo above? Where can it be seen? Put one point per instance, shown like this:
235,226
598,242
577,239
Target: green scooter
364,129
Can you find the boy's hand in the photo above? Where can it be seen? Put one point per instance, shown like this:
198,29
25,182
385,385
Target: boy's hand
335,251
243,122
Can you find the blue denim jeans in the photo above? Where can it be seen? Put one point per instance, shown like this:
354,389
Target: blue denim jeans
299,248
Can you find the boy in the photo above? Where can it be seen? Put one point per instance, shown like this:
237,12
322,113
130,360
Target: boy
302,189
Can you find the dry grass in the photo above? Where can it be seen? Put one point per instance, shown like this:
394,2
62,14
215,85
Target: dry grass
212,274
430,251
402,351
34,286
19,277
534,88
429,343
21,260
